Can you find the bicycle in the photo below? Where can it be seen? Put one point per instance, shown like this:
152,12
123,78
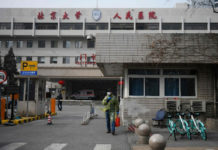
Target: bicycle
171,127
196,126
182,126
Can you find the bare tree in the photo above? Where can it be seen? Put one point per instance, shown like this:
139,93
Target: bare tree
202,4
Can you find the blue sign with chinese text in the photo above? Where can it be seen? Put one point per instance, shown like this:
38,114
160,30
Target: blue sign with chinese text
28,73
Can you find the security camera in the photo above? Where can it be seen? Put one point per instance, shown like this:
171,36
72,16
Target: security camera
89,37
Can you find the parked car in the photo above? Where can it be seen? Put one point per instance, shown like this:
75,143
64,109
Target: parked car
83,94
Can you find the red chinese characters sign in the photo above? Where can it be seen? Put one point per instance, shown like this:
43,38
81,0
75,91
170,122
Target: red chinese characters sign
151,15
84,59
40,15
117,16
65,16
128,15
53,15
78,14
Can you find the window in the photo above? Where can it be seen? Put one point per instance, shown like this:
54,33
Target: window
53,60
41,59
23,26
152,87
147,26
66,44
188,87
0,44
195,26
144,71
179,72
46,26
171,26
54,43
77,59
214,26
29,58
89,60
5,26
162,82
91,43
29,44
78,44
171,87
71,26
19,44
122,26
136,87
41,44
9,44
18,59
66,60
96,26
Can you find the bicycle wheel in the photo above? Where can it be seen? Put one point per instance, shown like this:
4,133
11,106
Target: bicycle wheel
204,135
203,131
171,128
193,129
179,127
188,132
174,135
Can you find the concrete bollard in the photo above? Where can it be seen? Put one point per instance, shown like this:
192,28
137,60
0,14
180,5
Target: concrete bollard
157,142
137,123
143,134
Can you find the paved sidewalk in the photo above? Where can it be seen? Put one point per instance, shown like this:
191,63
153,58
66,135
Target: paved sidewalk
142,147
182,142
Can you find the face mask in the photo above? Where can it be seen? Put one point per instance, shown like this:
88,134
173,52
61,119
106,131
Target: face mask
108,93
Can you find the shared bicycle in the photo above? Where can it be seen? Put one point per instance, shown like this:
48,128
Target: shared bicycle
188,127
180,126
196,126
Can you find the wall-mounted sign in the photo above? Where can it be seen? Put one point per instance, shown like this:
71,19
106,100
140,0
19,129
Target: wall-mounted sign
3,76
96,14
29,67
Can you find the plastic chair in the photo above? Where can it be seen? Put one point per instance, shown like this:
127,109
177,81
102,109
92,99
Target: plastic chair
159,116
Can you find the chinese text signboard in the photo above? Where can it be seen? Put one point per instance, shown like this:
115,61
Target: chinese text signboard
97,15
29,67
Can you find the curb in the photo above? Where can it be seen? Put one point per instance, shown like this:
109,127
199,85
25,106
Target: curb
146,147
27,119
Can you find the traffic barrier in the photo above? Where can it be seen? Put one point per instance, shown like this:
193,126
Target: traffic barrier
49,120
53,105
3,109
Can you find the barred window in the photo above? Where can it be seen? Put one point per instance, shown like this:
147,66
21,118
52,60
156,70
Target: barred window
147,26
122,26
195,26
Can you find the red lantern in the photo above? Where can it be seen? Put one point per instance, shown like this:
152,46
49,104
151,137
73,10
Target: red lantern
61,82
121,82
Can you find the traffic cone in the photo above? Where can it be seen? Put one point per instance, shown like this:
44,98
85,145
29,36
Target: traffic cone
49,119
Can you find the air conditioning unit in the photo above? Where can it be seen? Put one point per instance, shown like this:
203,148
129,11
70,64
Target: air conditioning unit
198,105
172,105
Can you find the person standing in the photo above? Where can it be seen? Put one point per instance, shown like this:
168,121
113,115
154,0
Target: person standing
111,108
59,101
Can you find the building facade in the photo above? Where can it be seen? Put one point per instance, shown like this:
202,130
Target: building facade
164,55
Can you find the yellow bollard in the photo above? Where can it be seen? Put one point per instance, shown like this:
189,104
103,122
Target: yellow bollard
3,108
52,105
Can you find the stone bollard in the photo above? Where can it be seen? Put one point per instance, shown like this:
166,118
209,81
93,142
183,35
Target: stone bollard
137,123
157,142
143,134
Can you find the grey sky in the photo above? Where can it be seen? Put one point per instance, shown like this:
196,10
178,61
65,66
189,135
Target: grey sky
88,3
